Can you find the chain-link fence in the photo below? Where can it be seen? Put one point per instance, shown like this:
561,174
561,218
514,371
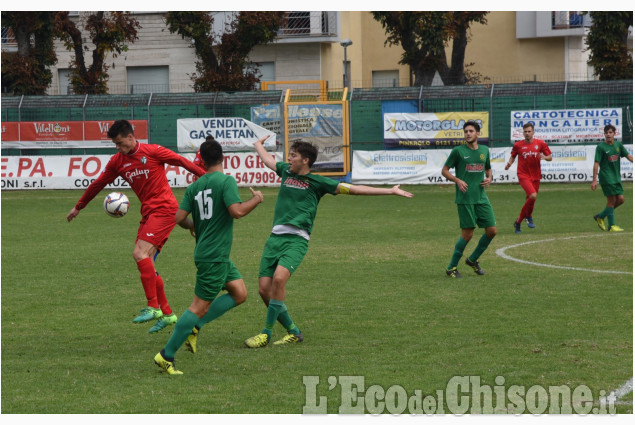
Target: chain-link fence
366,106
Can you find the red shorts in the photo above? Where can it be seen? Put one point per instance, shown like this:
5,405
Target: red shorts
528,185
155,229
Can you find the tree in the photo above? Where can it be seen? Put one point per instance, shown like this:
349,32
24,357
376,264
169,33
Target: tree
607,40
27,71
424,37
108,32
222,58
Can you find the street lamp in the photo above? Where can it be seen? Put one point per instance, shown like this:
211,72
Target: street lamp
345,43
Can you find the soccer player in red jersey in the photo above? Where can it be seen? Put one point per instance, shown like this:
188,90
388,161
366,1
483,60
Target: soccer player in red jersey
530,152
142,166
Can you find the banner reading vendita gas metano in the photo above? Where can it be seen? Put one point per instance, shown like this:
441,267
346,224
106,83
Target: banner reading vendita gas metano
567,125
424,130
234,134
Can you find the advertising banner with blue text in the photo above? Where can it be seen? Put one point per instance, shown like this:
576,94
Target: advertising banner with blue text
425,130
564,126
234,134
569,164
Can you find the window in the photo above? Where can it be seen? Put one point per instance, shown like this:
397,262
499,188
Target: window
65,82
148,79
268,71
386,78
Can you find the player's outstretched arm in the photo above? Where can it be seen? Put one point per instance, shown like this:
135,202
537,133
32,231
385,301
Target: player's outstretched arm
265,156
629,157
349,189
181,218
241,209
72,214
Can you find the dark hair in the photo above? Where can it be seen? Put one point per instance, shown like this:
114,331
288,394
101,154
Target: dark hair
473,124
306,150
120,128
609,127
211,152
528,124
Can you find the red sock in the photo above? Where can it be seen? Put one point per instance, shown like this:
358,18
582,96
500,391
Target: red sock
530,206
527,210
163,300
148,280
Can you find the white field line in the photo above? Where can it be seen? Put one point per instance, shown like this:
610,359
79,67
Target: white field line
501,253
615,396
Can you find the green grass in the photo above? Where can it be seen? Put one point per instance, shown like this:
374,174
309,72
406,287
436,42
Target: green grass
371,298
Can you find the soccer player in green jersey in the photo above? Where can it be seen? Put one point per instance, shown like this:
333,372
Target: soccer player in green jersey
294,213
607,162
472,175
214,203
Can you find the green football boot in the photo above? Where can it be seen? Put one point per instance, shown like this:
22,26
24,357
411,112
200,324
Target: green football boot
163,322
148,313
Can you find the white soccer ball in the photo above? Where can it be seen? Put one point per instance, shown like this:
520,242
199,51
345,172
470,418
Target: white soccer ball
116,204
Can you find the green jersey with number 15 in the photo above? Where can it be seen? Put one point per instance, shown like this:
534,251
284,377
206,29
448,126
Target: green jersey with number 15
207,199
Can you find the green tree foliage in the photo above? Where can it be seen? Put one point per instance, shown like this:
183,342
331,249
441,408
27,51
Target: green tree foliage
607,41
222,58
108,32
424,37
27,70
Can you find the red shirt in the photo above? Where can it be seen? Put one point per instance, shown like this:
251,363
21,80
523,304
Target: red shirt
529,157
144,170
199,161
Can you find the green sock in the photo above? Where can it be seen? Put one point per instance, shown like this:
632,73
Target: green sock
285,320
273,311
458,253
483,243
605,212
219,306
610,214
182,330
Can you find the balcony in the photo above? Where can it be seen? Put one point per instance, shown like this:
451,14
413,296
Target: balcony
567,19
308,26
9,43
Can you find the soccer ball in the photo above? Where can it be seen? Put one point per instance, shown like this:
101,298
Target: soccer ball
116,204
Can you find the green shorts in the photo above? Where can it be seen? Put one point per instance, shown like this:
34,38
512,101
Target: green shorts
282,250
212,277
471,215
612,189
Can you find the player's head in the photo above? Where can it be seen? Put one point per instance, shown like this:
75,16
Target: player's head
120,128
609,127
122,135
471,130
306,151
211,152
528,131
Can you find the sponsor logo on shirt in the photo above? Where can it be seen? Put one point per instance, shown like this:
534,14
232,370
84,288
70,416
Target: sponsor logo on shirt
525,155
474,168
296,183
132,174
613,158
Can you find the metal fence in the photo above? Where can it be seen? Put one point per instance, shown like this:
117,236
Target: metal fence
366,106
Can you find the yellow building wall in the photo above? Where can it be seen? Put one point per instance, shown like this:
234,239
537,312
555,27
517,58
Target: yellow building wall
498,54
494,49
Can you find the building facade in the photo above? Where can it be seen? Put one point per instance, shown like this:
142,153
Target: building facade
512,47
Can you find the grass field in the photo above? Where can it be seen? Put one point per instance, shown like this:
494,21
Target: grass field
371,298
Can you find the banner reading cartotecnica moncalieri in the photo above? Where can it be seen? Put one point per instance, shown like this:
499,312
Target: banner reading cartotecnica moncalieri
234,134
417,131
567,125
